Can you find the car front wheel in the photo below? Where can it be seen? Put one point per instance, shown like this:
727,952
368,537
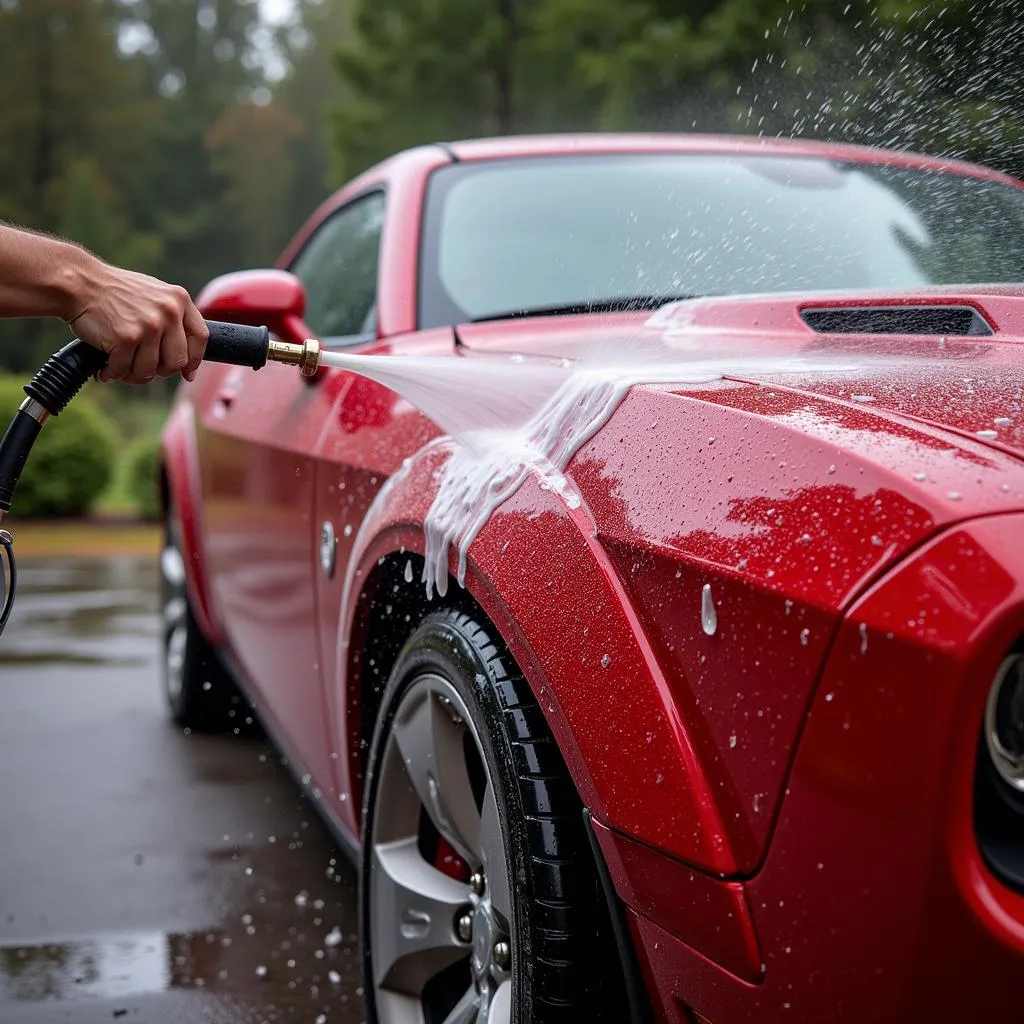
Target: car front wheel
479,903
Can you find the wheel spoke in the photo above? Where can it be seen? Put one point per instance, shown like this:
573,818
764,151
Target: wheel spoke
174,612
492,849
172,566
500,1010
431,746
414,908
467,1009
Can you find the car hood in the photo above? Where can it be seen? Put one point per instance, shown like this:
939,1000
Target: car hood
968,386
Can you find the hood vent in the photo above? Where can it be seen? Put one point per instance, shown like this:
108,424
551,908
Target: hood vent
949,320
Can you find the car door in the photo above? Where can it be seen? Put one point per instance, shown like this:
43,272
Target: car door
268,591
260,431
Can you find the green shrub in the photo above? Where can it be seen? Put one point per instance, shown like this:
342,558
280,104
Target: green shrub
71,462
142,479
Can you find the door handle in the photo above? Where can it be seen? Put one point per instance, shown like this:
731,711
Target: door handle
222,402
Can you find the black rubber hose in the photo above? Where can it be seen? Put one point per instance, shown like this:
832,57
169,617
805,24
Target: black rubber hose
9,590
14,451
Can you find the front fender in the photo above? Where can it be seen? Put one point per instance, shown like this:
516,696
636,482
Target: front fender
539,574
180,461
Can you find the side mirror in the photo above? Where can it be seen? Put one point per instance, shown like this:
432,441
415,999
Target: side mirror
271,298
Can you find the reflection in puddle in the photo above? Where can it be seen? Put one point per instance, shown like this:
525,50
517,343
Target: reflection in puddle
106,968
135,964
67,611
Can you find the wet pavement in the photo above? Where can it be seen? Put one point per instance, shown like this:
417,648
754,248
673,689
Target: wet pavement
147,875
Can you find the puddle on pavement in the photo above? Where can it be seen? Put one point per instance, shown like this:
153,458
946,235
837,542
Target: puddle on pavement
67,609
246,864
266,967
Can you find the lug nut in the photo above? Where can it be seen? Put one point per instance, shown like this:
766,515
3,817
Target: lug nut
476,883
464,927
502,954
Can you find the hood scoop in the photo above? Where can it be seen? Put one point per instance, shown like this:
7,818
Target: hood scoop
893,319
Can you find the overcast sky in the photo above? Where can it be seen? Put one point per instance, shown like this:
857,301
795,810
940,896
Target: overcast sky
275,10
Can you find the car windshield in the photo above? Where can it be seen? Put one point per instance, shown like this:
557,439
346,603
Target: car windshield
542,235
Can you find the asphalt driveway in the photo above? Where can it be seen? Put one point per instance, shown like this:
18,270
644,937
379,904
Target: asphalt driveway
147,875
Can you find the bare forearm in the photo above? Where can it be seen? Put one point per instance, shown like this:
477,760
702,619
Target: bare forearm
43,276
146,326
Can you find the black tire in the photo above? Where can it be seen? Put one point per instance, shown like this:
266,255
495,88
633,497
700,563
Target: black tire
563,968
200,694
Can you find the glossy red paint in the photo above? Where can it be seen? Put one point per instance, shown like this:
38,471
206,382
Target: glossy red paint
180,463
793,790
266,296
873,903
709,914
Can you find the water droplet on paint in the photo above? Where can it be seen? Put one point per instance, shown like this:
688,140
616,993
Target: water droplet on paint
708,613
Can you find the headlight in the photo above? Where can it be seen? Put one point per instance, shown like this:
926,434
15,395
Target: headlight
1004,722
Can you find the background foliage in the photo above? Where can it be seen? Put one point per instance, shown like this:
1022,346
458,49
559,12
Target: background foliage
190,137
71,463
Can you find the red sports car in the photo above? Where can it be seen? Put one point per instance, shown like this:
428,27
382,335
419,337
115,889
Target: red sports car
712,709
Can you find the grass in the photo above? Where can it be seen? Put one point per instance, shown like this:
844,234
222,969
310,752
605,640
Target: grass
83,538
117,500
136,421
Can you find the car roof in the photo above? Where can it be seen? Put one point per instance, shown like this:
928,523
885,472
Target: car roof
593,143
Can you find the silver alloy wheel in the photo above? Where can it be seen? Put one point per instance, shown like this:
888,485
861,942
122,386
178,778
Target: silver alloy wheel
423,920
175,618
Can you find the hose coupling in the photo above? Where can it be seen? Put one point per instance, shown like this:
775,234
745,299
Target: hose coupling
305,356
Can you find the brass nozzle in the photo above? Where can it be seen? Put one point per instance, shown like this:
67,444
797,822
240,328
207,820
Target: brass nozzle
305,356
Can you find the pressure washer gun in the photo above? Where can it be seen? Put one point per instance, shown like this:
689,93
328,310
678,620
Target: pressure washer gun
61,378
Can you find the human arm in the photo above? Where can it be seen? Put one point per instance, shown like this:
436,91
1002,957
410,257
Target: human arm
148,327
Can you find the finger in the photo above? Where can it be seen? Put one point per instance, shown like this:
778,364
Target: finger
197,333
119,362
173,350
145,361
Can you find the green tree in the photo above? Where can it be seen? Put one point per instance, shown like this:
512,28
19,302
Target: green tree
197,59
422,72
251,151
310,91
66,102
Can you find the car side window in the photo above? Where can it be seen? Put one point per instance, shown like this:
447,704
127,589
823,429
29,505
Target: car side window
338,267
